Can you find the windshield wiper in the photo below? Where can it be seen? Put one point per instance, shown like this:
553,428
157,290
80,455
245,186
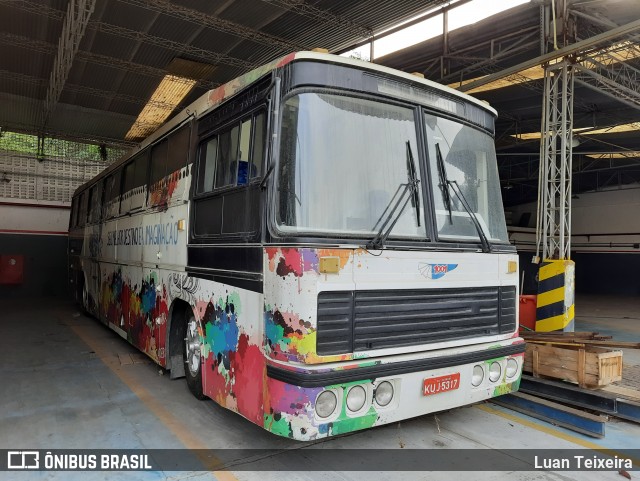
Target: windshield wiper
413,179
486,246
403,194
444,182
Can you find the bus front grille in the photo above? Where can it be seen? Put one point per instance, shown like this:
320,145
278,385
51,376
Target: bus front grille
350,321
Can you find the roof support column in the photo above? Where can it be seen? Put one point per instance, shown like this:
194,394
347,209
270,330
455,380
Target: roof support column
553,231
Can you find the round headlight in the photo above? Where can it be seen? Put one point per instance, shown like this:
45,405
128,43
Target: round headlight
494,371
512,368
356,398
477,376
326,403
384,393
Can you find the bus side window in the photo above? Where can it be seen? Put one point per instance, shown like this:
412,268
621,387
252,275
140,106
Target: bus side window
112,194
140,180
74,213
101,199
82,217
95,203
90,201
226,165
257,154
207,169
178,150
158,161
127,183
135,177
243,155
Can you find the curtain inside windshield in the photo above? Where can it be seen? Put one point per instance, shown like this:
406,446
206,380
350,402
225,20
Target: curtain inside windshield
343,163
468,161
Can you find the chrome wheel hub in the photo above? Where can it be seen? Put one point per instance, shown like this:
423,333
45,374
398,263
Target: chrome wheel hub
192,347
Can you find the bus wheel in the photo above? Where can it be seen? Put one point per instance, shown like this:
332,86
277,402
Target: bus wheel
193,357
85,298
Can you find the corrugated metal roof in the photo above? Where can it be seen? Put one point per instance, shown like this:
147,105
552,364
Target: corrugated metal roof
144,36
519,105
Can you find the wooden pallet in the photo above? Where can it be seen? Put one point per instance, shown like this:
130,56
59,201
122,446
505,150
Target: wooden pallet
589,366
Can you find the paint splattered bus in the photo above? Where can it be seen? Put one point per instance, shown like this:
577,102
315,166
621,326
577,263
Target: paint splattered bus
318,245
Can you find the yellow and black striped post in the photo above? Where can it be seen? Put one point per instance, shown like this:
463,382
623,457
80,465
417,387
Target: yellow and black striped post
555,309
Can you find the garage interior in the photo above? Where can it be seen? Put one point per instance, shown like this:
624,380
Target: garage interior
84,81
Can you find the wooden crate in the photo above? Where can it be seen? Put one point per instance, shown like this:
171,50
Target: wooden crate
588,366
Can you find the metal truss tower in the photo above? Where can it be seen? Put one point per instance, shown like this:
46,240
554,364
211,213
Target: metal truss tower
554,190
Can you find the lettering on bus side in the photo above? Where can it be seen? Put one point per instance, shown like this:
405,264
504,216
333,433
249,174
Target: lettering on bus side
157,234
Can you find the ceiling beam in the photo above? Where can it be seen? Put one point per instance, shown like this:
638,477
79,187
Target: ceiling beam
310,11
95,58
572,49
208,56
81,89
73,28
200,18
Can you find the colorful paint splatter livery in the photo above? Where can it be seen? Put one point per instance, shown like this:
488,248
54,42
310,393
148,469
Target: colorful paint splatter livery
306,338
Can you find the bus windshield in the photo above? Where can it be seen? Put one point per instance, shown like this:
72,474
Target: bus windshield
467,158
343,163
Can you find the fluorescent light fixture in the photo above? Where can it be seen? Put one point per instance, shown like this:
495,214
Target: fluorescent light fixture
615,129
167,96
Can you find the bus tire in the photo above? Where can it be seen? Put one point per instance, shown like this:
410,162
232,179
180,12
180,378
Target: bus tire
192,355
84,299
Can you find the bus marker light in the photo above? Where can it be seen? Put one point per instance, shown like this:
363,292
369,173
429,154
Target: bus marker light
329,265
512,266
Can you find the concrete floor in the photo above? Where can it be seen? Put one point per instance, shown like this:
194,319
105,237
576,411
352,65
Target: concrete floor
69,382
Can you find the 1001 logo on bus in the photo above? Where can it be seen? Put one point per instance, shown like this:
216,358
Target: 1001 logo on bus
435,271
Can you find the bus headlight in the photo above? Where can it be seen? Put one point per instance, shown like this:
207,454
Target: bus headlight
356,398
477,376
512,368
384,393
494,371
326,403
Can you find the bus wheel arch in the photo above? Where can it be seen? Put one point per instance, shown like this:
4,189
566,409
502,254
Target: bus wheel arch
82,292
175,337
181,315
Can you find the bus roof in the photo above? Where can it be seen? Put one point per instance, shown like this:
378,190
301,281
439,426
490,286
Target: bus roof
215,97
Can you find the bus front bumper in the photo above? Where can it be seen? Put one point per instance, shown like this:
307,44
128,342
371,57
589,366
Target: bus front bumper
310,404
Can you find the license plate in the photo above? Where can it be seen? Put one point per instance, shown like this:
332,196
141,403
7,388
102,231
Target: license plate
435,385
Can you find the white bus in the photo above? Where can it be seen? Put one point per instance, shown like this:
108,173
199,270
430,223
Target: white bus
318,245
